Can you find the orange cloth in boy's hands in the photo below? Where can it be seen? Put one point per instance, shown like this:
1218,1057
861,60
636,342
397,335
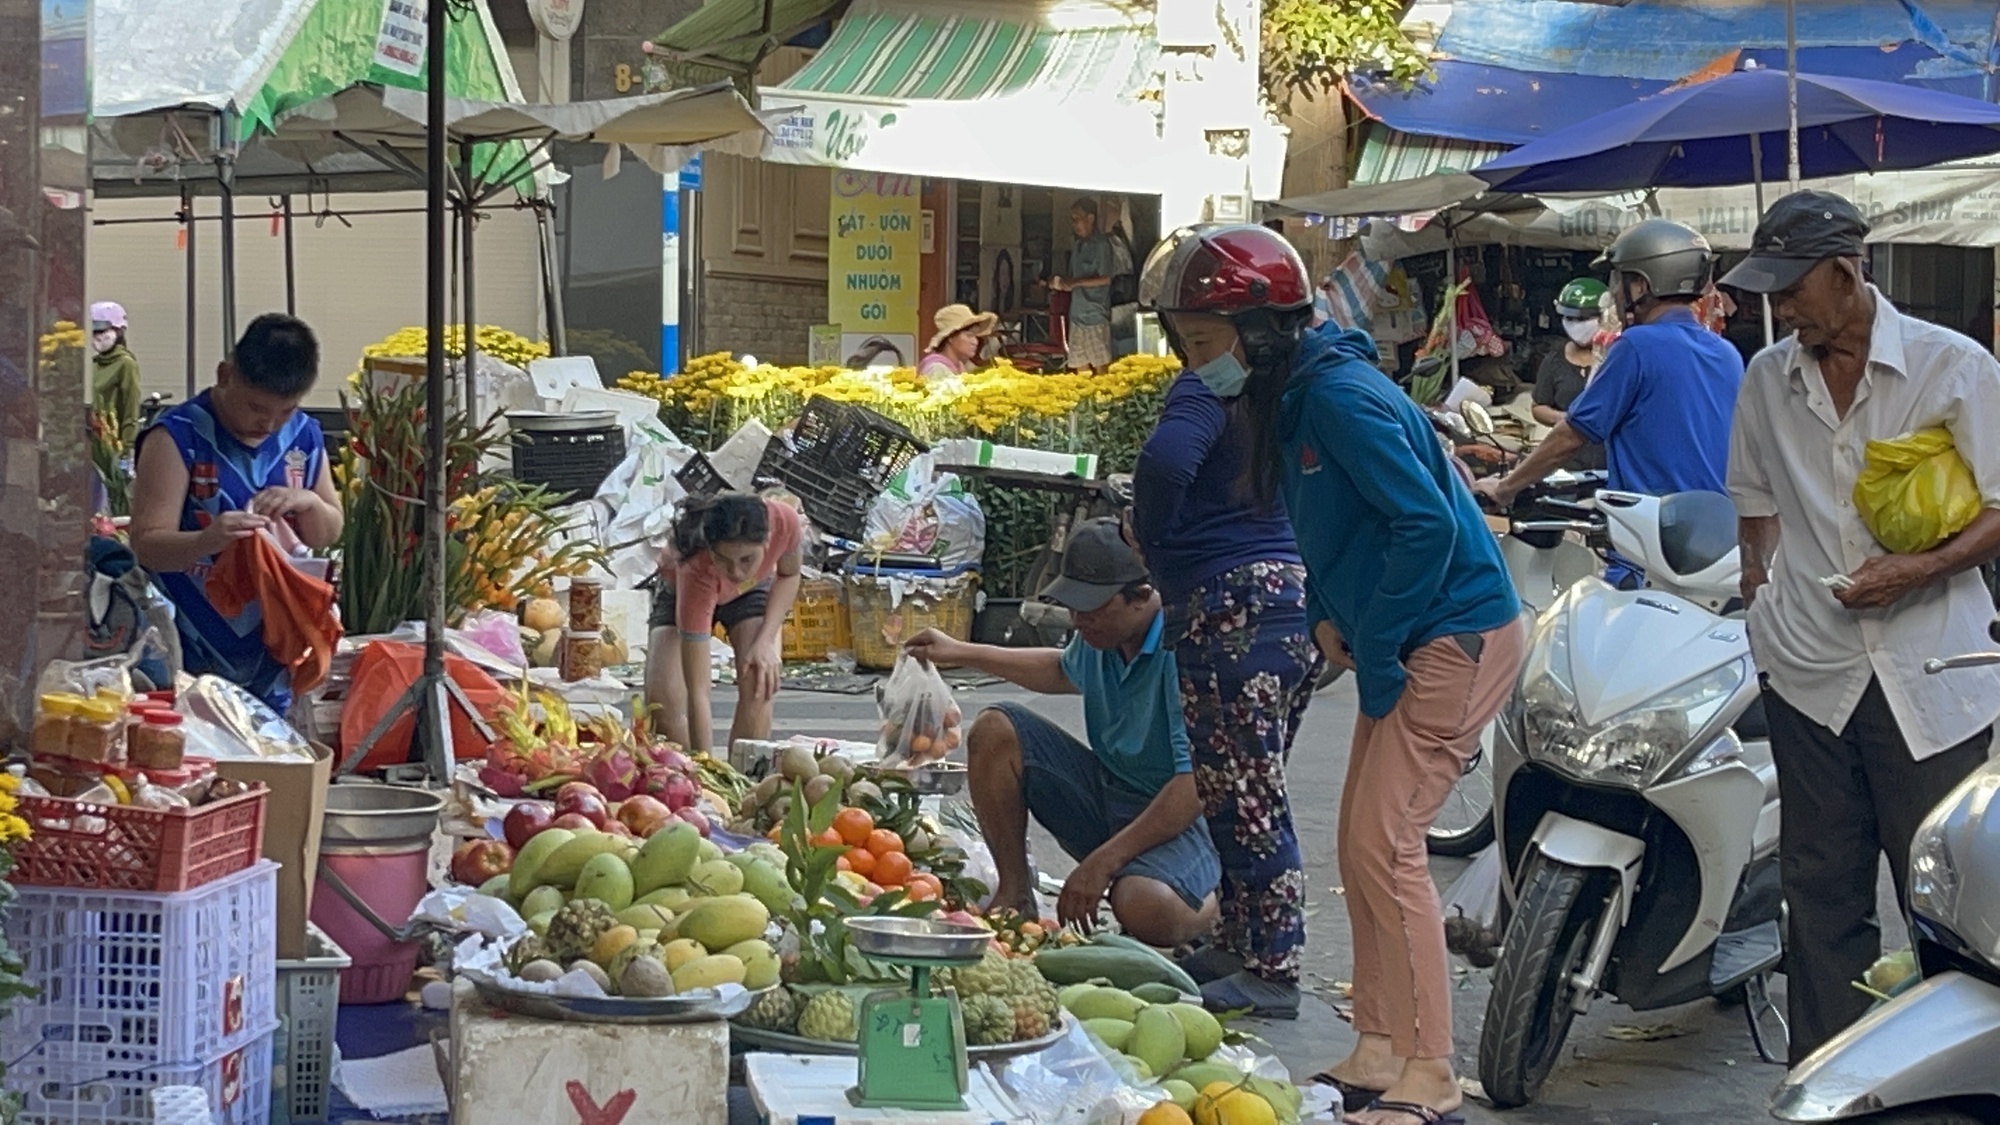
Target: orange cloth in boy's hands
300,629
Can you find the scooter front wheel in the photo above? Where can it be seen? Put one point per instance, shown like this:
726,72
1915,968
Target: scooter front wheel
1532,1004
1464,825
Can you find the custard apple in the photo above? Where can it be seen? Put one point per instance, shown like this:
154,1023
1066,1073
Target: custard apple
829,1016
527,948
645,947
776,1010
1033,999
991,977
576,927
988,1020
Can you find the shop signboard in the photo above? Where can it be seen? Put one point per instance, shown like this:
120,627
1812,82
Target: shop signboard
872,267
399,41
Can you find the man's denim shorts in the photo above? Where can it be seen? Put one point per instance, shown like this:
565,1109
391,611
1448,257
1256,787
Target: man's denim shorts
1082,805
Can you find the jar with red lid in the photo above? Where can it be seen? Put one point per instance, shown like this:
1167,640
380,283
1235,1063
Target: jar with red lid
158,742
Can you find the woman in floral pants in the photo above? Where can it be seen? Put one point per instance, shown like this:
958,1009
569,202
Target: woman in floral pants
1234,590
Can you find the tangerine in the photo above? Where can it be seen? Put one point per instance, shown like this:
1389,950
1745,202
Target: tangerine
854,825
828,839
842,864
892,869
861,861
924,887
882,841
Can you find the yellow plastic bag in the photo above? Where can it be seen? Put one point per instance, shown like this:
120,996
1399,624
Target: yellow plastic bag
1915,491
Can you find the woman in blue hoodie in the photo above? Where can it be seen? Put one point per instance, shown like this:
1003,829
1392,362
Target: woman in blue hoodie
1234,590
1405,586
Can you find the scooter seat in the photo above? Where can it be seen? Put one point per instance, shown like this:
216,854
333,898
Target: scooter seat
1697,530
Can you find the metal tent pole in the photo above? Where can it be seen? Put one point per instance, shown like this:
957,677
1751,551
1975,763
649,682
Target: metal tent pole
291,264
189,327
433,712
1792,91
466,219
1757,179
224,181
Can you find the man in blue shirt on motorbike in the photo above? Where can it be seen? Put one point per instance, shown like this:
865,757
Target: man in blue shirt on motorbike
1661,403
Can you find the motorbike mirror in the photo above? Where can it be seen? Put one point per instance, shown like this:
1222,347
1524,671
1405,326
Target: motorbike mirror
1476,418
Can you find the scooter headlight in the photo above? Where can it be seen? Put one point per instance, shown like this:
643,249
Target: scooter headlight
1632,749
1946,854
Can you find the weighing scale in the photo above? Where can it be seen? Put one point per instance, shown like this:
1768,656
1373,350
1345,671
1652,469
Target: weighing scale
912,1045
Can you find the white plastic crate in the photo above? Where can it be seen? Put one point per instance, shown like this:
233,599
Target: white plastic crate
309,1001
181,1105
74,1084
146,979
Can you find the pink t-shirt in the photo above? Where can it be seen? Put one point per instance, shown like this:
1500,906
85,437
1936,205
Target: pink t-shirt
699,587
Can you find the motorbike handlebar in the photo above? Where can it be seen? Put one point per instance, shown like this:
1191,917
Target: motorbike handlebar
1969,660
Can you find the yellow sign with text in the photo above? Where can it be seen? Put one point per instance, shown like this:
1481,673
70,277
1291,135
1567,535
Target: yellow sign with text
873,267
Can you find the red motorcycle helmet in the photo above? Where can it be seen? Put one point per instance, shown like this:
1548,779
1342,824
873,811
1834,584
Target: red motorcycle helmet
1225,270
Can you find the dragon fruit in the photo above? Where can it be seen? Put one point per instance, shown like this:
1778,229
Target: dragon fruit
501,780
614,773
679,792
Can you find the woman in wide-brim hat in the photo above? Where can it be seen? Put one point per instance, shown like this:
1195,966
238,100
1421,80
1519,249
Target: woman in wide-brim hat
955,348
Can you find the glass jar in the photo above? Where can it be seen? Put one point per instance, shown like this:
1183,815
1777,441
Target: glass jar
586,605
158,742
582,656
97,733
53,715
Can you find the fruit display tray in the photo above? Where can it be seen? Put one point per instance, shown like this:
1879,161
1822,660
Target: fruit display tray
800,1045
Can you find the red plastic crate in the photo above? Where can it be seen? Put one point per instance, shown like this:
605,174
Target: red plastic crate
123,848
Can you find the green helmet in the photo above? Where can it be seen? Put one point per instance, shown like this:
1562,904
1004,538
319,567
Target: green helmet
1581,299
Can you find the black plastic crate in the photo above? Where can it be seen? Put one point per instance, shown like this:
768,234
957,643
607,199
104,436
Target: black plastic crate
571,463
699,478
837,503
845,438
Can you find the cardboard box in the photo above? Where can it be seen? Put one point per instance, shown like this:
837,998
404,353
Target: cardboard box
293,814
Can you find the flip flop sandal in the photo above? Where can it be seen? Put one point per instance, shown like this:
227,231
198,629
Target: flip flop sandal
1353,1099
1423,1113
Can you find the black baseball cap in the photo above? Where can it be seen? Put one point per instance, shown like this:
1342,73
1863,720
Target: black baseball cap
1800,231
1096,564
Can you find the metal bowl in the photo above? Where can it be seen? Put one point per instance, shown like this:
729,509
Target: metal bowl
917,939
939,779
699,1007
371,815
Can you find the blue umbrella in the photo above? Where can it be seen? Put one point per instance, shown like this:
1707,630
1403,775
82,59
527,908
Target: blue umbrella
1730,130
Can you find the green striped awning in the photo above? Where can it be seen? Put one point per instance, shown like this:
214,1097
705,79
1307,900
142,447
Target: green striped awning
1388,156
884,49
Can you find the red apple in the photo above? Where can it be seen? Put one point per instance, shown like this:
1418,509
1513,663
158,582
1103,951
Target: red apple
585,801
693,816
524,820
575,822
615,828
644,815
476,861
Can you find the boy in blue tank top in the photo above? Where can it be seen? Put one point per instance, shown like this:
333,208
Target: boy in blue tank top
239,460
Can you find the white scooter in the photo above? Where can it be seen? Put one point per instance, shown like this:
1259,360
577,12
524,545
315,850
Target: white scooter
1931,1056
1635,799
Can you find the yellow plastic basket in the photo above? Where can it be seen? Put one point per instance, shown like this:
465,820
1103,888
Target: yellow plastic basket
819,622
890,610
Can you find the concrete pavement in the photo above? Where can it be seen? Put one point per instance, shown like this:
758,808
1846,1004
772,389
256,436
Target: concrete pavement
1688,1065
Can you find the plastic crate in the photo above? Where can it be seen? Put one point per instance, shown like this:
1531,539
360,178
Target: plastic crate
309,1001
818,623
699,478
888,607
146,979
126,848
72,1083
836,502
568,462
853,440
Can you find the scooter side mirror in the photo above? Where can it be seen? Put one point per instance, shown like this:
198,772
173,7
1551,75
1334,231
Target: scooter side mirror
1476,418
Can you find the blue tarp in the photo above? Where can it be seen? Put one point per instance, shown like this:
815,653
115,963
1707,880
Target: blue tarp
1510,71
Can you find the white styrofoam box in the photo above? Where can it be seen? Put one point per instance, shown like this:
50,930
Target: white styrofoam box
508,1069
148,978
974,453
631,409
789,1088
74,1083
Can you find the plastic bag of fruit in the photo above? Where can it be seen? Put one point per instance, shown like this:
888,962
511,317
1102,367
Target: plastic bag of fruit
920,720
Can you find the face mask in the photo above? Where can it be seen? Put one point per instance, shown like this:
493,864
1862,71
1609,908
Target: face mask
1224,375
101,342
1581,332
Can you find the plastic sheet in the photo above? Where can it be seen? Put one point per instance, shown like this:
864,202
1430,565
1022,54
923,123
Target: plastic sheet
1915,491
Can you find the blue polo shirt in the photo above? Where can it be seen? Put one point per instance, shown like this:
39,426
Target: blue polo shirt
1661,406
1132,710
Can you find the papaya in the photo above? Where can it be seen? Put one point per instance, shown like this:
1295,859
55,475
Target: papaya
1157,992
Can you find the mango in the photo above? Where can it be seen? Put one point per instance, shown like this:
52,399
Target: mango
713,971
665,859
1201,1074
1203,1031
566,865
1157,1038
760,962
680,951
642,917
719,923
496,887
521,878
1140,1067
707,851
765,883
541,900
674,898
1156,992
1070,992
538,924
716,877
611,943
1107,1003
1183,1095
606,879
1112,1033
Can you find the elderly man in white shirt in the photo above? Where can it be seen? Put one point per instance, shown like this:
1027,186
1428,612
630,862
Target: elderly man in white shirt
1865,743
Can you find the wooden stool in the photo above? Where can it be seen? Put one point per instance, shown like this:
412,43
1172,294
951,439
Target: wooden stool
508,1069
